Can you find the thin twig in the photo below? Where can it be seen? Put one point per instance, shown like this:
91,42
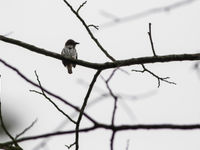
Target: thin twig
151,40
89,32
26,129
81,6
94,26
112,140
43,93
164,79
70,145
83,107
6,131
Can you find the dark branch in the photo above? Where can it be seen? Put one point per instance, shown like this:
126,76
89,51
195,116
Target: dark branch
165,79
54,104
48,92
26,129
81,6
151,40
94,26
89,32
106,65
7,132
83,107
112,141
116,128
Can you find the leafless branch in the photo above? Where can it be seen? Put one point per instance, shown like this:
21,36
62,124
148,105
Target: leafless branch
83,107
106,65
164,79
81,6
151,40
110,127
70,145
115,106
7,132
54,104
89,32
112,140
45,90
26,129
94,26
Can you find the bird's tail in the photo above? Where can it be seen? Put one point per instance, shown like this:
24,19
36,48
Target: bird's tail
69,68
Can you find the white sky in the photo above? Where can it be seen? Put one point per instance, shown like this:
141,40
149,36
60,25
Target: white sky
49,23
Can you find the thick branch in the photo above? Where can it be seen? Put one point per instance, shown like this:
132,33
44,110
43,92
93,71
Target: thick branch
116,128
106,65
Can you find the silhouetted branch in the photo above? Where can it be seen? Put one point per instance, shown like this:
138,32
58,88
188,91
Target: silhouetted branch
94,26
106,65
116,128
151,40
26,129
112,141
81,6
54,104
83,107
48,92
156,76
70,145
89,32
8,134
114,108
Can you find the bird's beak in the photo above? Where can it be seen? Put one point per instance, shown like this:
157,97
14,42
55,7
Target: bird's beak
77,43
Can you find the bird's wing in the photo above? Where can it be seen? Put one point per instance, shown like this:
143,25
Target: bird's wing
76,57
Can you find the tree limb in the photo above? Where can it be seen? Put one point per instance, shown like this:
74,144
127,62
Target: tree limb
106,65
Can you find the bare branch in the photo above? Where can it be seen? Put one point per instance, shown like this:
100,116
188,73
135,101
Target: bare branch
83,107
156,76
89,32
94,26
116,128
112,141
48,92
26,129
106,65
151,41
43,93
70,145
81,6
7,132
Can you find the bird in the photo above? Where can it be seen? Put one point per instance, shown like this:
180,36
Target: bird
69,50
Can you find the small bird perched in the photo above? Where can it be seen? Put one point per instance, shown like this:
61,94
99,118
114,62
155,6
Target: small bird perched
69,51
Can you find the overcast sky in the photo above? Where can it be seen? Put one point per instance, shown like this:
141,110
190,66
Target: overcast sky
49,23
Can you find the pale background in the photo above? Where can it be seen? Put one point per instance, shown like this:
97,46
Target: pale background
49,23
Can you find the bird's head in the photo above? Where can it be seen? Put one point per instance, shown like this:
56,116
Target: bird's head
71,42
